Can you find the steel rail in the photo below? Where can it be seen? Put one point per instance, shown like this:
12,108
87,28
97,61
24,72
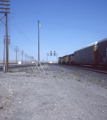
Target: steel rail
84,68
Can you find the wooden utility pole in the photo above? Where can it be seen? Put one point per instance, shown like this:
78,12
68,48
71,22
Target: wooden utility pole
6,39
5,4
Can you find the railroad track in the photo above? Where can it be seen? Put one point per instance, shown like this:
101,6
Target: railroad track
98,70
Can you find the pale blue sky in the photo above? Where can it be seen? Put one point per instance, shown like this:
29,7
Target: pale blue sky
66,25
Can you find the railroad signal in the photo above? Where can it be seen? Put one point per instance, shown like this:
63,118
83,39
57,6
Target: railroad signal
50,54
54,53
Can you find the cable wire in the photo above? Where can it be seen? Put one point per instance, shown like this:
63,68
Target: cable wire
22,33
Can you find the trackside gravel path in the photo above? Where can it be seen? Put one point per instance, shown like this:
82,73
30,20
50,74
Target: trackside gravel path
56,95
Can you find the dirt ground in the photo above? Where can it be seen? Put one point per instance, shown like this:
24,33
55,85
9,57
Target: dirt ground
27,94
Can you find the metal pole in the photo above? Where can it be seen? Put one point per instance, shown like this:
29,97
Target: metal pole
57,58
22,56
16,55
4,51
6,39
47,57
4,55
8,47
16,50
26,58
38,45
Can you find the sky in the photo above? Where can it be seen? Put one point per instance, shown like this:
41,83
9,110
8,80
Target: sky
66,26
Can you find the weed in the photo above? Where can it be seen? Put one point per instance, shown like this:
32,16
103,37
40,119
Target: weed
54,76
27,72
98,81
95,81
61,69
21,70
11,71
71,76
80,75
105,87
79,80
46,73
26,69
91,79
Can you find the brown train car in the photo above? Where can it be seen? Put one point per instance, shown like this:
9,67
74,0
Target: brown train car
87,55
102,52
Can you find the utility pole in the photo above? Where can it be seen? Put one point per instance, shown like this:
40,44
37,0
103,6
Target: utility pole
5,4
28,58
22,52
18,57
47,57
38,45
8,45
4,54
25,58
16,50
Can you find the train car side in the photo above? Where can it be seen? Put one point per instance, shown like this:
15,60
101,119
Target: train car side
94,54
87,55
102,52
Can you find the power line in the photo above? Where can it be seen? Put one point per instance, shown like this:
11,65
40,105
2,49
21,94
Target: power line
22,33
24,37
66,25
85,28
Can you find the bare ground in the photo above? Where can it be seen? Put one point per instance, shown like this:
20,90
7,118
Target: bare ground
55,95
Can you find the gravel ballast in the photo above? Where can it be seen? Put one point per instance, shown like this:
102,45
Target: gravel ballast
57,94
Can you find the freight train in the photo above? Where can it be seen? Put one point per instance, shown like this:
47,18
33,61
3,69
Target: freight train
94,54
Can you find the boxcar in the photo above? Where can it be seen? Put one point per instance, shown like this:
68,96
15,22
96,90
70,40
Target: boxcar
71,59
102,52
87,55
